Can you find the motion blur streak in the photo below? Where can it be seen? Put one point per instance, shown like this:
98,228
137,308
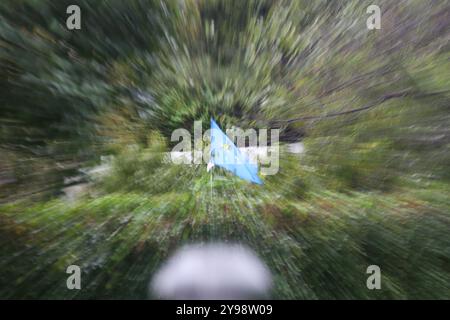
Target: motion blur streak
86,118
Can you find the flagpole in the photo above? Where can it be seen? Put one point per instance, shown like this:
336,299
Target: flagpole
210,180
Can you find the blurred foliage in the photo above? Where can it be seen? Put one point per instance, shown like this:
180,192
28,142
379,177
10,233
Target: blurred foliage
318,248
371,107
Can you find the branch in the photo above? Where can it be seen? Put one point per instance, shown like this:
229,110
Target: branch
376,103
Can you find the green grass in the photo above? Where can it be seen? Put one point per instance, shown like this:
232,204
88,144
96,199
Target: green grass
317,246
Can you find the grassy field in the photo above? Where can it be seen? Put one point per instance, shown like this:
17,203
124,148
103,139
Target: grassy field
317,246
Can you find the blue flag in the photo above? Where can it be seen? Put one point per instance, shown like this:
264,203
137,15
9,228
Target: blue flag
226,155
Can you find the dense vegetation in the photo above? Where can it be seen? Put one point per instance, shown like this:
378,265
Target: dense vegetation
370,106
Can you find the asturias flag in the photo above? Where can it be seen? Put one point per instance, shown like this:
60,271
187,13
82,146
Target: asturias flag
226,155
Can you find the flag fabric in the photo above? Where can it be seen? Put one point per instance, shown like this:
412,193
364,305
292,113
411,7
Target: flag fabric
226,155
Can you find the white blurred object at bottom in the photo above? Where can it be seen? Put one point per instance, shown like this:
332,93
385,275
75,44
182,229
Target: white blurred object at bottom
212,271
